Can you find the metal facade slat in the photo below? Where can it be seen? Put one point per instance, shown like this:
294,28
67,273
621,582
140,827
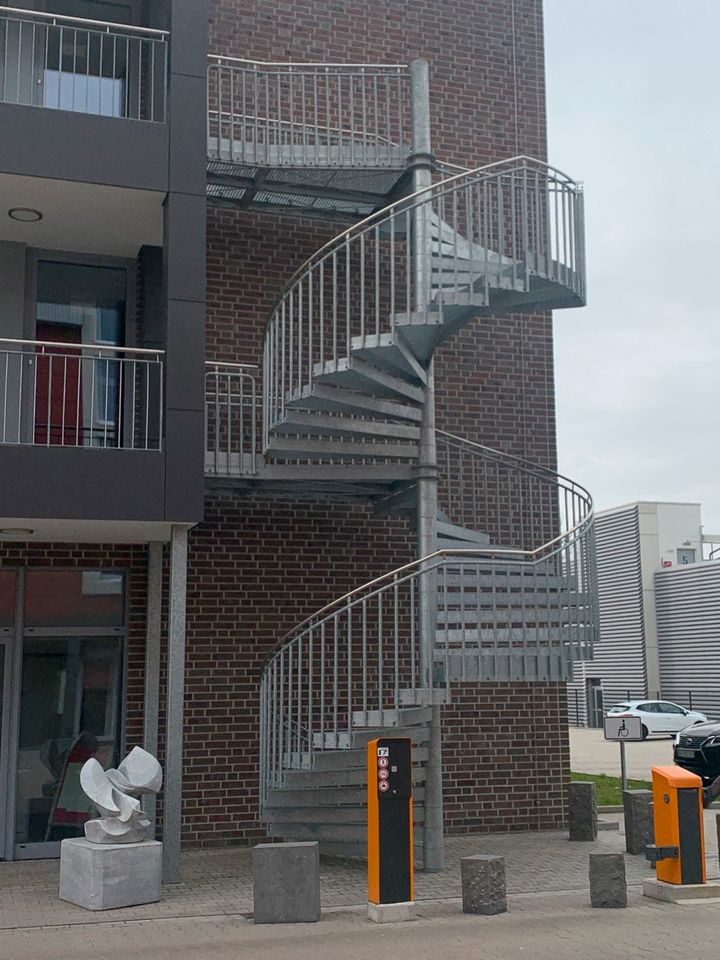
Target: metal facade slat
619,655
687,602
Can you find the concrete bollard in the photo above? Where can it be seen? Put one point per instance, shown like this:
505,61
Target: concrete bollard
639,825
483,885
582,814
286,883
608,887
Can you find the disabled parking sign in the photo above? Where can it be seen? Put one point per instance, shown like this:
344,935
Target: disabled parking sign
623,729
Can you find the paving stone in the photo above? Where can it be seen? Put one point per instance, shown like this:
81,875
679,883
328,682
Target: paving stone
608,886
219,882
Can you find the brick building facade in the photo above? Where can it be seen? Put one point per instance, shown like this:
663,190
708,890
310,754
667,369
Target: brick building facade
259,564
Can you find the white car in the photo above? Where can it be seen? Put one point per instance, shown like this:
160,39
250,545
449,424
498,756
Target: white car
658,716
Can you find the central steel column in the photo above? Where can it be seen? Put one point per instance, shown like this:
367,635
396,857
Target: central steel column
172,821
421,165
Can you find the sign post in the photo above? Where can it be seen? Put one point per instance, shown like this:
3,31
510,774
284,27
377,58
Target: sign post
623,730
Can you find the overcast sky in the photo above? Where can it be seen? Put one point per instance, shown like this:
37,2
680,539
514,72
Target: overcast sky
633,103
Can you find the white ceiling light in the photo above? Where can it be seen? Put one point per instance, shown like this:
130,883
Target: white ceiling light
25,214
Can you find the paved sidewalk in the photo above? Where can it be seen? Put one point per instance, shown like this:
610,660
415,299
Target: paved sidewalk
219,882
543,927
591,753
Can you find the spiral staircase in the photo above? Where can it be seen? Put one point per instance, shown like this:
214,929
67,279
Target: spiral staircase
347,375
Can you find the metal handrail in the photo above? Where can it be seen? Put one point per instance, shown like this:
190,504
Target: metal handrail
505,554
80,65
290,114
231,419
520,463
282,64
361,654
108,25
83,346
403,204
57,394
493,228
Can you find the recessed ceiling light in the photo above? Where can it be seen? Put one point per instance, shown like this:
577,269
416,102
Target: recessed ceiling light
25,214
16,531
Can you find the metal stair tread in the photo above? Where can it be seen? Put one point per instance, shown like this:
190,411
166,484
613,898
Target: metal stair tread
323,396
297,421
354,371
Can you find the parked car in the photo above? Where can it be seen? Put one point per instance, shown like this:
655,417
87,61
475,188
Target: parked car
658,716
697,749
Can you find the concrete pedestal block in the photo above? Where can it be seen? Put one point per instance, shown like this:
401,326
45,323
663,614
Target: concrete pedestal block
582,810
104,876
483,885
286,883
681,893
639,825
608,887
391,912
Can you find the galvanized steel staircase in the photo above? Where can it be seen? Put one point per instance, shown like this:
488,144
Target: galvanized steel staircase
510,594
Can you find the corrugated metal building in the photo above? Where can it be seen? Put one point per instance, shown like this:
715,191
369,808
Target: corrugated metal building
659,613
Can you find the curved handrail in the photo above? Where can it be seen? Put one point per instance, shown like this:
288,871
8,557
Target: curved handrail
519,462
364,652
474,481
401,205
498,230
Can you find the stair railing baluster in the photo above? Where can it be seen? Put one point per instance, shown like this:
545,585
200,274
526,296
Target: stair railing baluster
335,680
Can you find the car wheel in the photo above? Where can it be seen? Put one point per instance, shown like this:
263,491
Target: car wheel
644,732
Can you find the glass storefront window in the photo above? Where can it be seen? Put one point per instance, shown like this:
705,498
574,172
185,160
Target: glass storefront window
69,712
74,598
8,590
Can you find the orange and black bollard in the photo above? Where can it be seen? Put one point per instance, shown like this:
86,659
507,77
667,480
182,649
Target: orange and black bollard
391,883
679,848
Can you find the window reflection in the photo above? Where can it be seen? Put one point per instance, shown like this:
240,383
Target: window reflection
69,712
74,598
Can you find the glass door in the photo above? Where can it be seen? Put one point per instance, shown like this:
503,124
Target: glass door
69,712
66,702
78,390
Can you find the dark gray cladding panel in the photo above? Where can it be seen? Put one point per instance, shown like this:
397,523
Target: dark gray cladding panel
189,37
184,449
37,142
74,483
185,366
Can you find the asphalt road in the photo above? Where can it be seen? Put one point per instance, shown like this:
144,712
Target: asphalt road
591,753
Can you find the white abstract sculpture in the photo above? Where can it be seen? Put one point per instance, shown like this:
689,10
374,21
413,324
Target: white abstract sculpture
115,793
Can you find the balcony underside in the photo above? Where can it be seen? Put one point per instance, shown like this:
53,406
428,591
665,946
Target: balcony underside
332,192
45,530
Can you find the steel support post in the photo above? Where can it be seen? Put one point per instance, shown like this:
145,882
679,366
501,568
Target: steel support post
421,165
172,821
152,663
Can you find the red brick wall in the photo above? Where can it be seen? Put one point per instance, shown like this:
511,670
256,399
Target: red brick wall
256,569
506,757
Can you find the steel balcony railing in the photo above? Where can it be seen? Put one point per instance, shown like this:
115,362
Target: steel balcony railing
61,395
304,115
231,419
84,66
